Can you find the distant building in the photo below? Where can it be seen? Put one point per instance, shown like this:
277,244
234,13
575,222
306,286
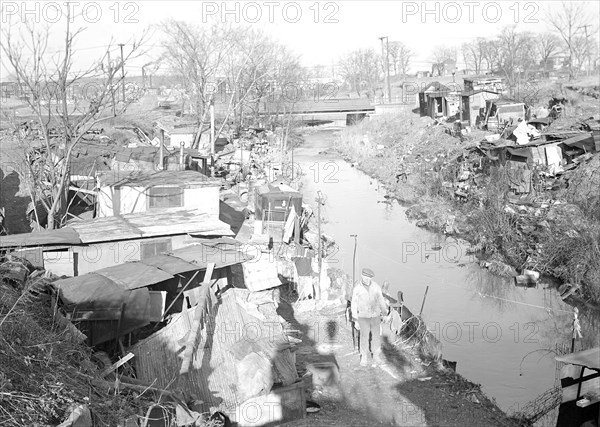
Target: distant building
444,68
487,83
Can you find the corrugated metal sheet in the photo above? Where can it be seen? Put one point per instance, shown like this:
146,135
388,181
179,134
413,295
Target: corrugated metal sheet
212,377
170,264
182,179
201,255
163,222
133,275
63,236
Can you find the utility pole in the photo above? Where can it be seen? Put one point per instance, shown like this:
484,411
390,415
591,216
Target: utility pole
587,46
319,255
122,70
354,259
385,53
387,68
112,89
212,135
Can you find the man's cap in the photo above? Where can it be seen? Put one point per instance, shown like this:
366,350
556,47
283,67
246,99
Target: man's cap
367,272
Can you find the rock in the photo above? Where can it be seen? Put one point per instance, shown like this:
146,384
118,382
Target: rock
464,175
79,416
473,398
573,234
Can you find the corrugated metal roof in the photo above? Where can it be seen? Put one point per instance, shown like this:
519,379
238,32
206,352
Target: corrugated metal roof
133,275
168,177
163,222
212,377
203,254
170,264
63,236
150,223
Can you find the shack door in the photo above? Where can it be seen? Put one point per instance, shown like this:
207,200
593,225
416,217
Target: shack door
422,104
466,110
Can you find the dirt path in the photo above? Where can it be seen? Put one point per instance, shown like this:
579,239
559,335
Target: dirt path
405,392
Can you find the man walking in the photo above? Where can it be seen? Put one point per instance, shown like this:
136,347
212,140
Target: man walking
368,305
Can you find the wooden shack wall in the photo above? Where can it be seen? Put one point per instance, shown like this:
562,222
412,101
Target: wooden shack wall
79,260
134,200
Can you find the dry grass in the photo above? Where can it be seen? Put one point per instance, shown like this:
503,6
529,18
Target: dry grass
44,372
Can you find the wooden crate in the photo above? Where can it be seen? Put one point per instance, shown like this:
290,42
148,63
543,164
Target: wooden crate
281,405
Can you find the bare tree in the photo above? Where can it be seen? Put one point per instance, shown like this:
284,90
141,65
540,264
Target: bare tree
361,69
50,82
516,54
547,45
474,54
197,55
401,56
442,55
568,20
232,67
259,70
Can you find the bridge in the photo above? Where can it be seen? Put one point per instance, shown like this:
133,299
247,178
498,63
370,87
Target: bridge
339,111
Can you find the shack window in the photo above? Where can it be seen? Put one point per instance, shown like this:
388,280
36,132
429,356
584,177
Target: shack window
150,249
165,197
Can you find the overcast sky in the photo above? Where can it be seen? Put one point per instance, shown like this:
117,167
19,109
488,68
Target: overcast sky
320,32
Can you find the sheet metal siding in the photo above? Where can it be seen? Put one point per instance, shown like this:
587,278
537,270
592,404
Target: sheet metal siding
213,376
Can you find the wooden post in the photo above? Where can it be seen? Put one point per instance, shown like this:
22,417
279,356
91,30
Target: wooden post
354,259
212,137
199,318
297,230
161,150
423,303
212,129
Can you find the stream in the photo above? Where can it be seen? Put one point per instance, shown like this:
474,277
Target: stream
502,336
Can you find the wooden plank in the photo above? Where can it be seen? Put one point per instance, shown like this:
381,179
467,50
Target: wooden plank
117,364
199,315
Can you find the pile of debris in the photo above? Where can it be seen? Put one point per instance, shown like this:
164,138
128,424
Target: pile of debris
147,340
47,373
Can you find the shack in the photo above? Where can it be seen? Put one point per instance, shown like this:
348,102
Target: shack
473,104
146,191
500,112
580,382
116,301
273,204
87,246
433,100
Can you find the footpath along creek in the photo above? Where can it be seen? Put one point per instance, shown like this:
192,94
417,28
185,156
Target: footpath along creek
503,337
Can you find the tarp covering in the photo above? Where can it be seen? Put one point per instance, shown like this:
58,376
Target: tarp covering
229,336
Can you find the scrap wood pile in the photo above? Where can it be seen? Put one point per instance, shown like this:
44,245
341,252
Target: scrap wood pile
410,330
49,376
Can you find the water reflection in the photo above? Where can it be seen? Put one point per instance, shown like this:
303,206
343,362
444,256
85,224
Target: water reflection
515,368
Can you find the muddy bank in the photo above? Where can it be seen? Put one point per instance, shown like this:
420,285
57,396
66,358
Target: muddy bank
449,189
408,390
